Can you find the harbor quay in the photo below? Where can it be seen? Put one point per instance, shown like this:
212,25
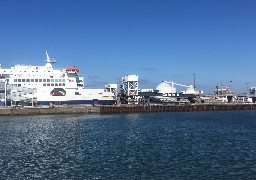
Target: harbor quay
49,110
174,108
119,109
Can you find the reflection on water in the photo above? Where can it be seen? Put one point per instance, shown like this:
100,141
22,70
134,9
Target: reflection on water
186,145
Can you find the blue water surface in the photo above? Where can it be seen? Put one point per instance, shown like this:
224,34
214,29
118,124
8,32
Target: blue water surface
171,145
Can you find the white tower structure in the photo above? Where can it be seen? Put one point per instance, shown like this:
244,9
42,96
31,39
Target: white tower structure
129,89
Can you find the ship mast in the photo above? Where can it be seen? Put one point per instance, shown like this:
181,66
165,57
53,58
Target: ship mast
49,62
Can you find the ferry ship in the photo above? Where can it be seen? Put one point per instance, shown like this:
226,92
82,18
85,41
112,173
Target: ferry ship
52,87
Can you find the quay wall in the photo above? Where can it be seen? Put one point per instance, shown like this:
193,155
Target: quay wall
175,108
49,110
119,109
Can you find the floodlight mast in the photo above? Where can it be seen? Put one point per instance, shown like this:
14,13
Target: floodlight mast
194,82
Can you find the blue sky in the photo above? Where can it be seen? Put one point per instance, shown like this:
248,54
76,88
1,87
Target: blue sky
155,39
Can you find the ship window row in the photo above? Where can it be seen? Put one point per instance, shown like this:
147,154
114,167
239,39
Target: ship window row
53,84
32,71
39,80
45,84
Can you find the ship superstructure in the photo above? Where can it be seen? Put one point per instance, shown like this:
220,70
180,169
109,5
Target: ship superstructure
51,86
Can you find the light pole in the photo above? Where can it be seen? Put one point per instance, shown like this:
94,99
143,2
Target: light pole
5,92
247,88
194,82
231,87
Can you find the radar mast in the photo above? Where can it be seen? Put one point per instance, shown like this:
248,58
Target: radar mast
49,62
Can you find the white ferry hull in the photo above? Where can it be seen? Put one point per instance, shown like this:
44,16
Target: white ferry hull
77,102
44,85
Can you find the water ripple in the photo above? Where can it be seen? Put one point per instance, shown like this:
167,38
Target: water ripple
187,145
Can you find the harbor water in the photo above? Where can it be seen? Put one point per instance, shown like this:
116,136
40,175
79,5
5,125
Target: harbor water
170,145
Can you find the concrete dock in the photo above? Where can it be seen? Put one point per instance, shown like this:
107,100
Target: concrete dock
49,110
175,108
119,109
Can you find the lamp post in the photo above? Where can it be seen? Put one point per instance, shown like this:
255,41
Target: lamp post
194,82
5,92
247,87
231,87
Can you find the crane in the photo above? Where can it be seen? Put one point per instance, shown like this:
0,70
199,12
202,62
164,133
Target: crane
229,89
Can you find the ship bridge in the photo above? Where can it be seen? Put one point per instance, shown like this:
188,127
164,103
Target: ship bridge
72,70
